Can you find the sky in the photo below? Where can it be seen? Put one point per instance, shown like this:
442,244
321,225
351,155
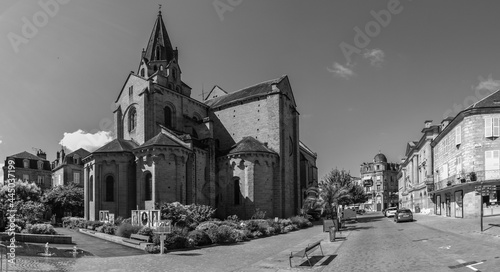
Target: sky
365,74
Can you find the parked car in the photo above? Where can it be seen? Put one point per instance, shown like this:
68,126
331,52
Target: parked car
403,215
389,212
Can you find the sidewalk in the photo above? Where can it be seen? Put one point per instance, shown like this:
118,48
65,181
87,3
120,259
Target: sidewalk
463,226
264,254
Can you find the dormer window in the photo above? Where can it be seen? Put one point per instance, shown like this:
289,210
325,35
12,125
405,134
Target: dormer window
40,165
26,163
142,72
158,53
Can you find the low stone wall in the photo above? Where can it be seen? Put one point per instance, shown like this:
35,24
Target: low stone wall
111,238
38,238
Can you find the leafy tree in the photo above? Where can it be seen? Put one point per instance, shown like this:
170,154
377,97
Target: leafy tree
26,200
358,194
335,189
66,198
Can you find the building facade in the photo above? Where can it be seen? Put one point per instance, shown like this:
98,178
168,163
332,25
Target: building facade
415,176
31,168
466,156
236,151
68,169
380,180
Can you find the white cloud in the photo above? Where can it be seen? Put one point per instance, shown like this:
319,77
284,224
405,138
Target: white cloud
341,70
376,56
488,84
88,141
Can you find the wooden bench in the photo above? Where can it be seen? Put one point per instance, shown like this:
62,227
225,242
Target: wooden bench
306,251
137,239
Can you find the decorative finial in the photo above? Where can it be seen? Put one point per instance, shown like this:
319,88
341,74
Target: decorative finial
159,9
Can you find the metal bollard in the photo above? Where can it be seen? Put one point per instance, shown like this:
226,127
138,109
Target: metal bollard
332,234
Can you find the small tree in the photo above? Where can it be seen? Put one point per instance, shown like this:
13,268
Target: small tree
335,189
67,198
25,199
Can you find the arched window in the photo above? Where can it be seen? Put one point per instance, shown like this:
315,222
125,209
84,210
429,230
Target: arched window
131,91
148,186
155,68
158,53
167,113
161,67
132,119
142,72
170,86
237,191
110,189
174,73
178,89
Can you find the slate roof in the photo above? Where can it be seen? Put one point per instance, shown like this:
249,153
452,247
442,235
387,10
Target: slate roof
257,90
25,155
80,152
492,100
249,144
117,145
160,139
159,36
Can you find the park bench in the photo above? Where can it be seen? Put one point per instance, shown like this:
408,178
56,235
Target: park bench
306,251
137,239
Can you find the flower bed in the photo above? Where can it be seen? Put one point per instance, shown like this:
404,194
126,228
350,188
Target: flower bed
193,226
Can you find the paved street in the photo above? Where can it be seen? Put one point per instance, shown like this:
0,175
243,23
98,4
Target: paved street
377,243
373,243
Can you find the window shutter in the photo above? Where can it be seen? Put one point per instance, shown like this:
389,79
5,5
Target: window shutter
488,130
458,135
496,127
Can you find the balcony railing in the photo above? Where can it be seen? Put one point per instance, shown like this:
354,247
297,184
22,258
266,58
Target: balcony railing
484,175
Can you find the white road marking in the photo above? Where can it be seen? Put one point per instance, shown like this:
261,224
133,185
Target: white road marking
445,247
470,266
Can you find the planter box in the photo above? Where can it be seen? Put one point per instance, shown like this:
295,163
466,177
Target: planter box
39,238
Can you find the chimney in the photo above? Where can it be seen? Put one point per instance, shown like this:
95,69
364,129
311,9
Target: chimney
62,154
428,123
41,154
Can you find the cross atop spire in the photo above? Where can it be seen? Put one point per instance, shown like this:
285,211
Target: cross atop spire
159,9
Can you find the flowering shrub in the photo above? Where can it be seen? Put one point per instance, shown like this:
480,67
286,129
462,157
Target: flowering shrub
300,221
199,238
224,235
41,229
74,222
152,249
205,226
93,225
125,230
109,228
186,215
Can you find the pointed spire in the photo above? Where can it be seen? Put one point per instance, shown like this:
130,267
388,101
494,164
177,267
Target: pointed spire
159,47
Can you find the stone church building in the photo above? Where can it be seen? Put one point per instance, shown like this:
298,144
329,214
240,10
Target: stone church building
236,151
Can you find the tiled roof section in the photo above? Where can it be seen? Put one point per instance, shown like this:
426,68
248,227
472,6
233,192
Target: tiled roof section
160,139
80,152
492,100
246,93
25,155
249,144
117,145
